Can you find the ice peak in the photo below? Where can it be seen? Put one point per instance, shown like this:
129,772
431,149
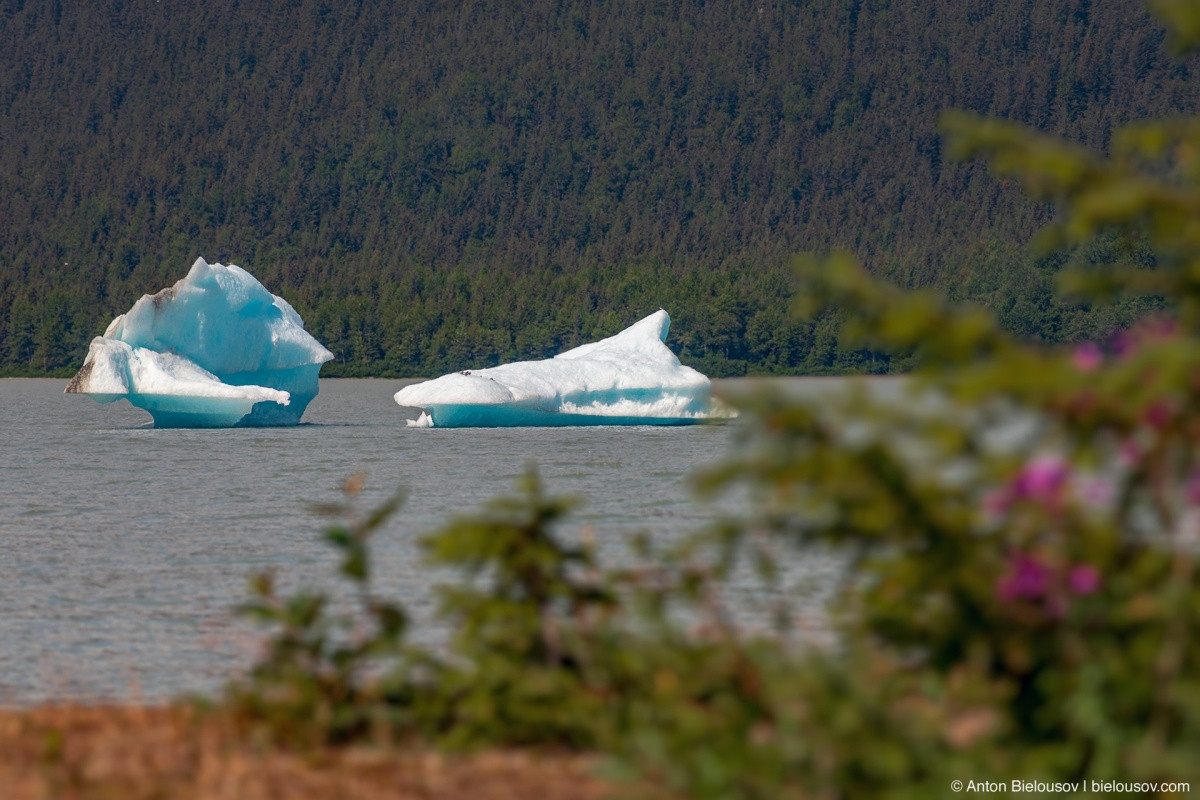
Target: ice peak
647,335
214,349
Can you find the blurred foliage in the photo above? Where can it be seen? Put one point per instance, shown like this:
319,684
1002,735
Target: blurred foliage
320,666
520,666
1020,527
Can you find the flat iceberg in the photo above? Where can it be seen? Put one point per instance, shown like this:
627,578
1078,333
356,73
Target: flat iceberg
631,378
215,350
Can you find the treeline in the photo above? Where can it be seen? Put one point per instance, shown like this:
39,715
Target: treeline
440,185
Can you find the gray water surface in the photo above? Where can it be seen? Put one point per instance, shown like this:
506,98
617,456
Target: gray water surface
123,548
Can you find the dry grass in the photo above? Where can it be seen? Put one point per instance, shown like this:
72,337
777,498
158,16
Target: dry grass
81,753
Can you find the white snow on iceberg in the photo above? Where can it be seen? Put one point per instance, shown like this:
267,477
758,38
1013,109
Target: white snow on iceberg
215,350
631,378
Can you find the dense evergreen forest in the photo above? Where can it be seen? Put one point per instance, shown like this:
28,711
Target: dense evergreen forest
442,185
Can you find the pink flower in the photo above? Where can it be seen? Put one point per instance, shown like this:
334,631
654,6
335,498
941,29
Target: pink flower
1191,491
1127,342
1041,479
1087,357
1026,578
1158,414
1122,344
1083,579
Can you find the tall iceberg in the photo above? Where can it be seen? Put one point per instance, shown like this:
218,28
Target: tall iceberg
631,378
215,350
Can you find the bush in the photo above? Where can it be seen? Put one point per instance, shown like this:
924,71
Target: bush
1020,526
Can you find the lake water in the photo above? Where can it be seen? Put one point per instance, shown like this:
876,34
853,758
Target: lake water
125,547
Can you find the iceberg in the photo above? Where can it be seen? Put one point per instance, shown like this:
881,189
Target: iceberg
631,378
215,350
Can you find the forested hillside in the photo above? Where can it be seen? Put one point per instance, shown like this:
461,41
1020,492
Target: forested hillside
442,185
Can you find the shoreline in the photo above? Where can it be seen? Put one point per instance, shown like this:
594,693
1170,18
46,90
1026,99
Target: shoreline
177,751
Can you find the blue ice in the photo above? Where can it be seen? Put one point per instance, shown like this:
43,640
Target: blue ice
215,350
